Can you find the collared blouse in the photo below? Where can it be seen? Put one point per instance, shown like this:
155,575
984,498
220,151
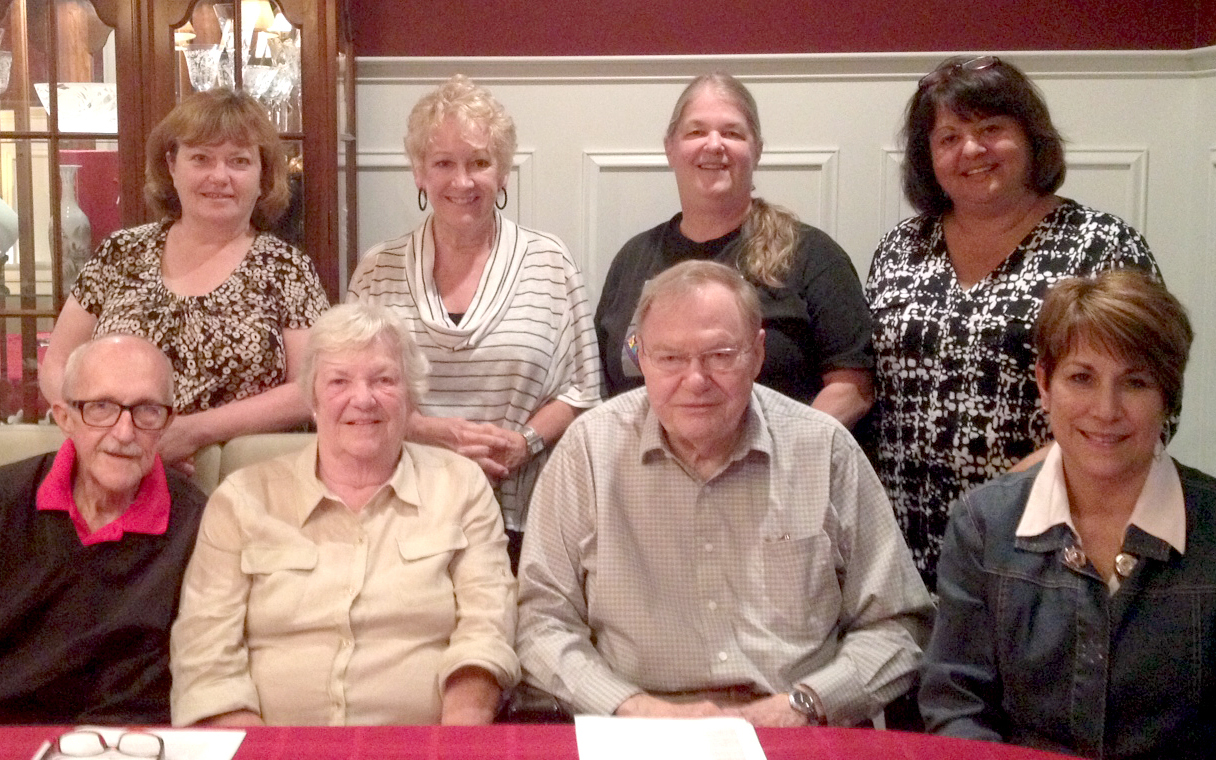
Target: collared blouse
308,613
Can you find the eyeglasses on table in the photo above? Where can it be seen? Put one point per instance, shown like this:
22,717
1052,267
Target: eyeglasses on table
92,744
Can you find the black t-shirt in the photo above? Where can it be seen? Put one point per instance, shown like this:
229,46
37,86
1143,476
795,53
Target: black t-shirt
816,322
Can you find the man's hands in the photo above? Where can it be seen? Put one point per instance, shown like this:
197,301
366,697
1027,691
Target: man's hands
766,711
647,706
769,711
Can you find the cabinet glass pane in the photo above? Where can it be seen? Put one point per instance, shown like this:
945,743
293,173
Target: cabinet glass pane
83,81
268,63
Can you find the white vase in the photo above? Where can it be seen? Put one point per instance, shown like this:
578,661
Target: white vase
76,232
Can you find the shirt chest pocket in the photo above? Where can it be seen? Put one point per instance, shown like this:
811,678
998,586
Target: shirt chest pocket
280,578
425,582
425,555
793,567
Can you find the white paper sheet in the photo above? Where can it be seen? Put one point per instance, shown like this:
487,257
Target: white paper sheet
606,738
180,744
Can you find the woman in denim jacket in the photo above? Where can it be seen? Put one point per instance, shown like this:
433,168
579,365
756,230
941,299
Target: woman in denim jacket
1078,599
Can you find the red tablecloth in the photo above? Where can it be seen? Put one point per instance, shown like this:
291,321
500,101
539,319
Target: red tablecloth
518,742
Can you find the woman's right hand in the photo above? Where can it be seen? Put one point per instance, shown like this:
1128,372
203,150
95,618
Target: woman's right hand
488,445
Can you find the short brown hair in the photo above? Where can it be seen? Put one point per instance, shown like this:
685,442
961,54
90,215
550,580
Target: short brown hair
473,107
210,118
996,89
687,276
1127,312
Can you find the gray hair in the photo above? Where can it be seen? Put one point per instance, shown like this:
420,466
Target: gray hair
474,108
76,359
354,327
688,276
728,87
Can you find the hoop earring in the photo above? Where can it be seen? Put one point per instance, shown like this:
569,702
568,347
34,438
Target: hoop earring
501,206
421,199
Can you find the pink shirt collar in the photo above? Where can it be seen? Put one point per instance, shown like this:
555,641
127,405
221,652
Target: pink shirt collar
148,513
1160,510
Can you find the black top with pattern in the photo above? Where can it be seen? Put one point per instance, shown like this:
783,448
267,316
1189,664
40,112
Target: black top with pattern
956,401
225,345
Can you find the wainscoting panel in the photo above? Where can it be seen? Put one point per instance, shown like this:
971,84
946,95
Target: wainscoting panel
590,167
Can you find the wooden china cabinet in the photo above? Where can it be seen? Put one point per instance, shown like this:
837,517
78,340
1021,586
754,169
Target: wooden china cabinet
85,81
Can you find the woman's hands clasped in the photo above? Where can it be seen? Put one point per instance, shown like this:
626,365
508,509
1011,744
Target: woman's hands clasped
498,451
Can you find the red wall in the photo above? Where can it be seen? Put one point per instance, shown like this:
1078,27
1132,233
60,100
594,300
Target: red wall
709,27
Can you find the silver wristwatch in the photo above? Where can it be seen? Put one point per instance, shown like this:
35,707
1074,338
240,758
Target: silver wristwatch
536,444
806,702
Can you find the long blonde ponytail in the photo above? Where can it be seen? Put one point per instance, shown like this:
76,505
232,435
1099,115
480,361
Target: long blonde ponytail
770,238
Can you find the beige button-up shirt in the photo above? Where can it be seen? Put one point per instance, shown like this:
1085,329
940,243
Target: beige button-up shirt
308,613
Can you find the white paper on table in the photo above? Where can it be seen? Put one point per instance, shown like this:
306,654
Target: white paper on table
610,738
180,744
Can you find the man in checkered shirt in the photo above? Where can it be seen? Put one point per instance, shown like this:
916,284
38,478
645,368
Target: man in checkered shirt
705,546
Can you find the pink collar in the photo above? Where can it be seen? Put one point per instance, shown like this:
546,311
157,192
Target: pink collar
148,513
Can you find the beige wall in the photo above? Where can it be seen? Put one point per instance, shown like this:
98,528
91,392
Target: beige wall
1141,130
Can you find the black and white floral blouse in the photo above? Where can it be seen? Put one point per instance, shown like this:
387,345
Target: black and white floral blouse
225,345
956,400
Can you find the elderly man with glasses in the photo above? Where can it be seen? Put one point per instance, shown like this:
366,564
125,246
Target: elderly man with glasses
706,546
97,536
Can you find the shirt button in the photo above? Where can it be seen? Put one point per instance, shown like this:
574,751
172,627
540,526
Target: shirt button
721,656
713,606
709,547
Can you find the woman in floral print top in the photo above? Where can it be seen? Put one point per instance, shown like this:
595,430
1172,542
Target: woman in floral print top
955,291
227,302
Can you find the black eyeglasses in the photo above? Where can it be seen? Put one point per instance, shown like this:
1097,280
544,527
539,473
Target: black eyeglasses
105,413
91,744
948,70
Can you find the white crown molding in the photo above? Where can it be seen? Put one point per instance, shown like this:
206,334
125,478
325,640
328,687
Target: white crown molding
783,67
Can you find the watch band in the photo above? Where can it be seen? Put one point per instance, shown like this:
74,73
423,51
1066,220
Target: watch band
536,444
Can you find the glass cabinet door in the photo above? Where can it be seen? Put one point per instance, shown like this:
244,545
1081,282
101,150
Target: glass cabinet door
253,46
82,84
59,174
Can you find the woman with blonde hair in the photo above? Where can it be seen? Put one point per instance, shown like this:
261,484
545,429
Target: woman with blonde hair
499,310
816,322
360,581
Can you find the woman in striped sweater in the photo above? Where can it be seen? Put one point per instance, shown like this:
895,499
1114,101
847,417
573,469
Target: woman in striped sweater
500,311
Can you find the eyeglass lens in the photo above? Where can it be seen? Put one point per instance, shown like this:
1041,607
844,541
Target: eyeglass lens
92,744
106,413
